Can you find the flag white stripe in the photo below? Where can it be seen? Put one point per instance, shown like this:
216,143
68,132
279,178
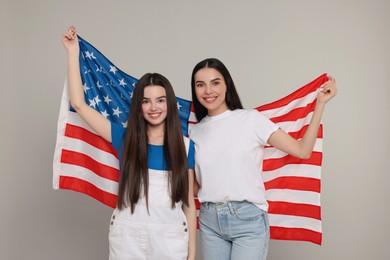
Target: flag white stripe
192,117
75,119
293,196
273,153
295,126
101,156
288,221
297,103
85,174
293,170
62,118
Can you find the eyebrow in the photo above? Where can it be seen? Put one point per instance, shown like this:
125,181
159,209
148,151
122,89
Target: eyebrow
201,81
156,97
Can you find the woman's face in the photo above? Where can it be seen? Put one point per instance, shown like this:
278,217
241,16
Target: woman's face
210,89
154,105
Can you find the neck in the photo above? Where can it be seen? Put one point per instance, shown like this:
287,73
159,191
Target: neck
156,134
218,111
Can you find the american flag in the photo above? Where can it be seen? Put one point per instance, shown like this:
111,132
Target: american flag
85,162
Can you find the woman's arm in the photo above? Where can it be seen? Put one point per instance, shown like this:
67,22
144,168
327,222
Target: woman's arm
304,147
190,212
92,117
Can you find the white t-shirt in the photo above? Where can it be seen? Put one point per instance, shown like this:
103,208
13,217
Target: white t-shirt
229,156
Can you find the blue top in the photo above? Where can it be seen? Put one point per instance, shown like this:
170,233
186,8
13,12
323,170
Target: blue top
156,159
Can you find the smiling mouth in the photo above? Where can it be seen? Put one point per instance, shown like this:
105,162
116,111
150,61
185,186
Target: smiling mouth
210,99
154,115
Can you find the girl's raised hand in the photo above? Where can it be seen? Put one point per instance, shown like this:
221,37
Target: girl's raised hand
70,39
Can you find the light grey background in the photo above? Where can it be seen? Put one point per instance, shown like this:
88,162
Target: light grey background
270,47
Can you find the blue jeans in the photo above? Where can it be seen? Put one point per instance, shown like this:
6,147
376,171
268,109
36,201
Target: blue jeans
233,230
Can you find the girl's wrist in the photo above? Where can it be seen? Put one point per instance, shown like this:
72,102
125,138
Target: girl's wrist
73,51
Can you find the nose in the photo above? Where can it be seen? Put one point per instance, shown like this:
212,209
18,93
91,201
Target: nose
208,89
153,106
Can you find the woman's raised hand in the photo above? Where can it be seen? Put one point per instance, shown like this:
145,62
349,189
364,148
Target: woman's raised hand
329,90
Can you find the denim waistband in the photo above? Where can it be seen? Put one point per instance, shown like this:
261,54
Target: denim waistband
229,205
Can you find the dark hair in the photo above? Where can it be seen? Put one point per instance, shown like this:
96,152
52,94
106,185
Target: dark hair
232,99
134,175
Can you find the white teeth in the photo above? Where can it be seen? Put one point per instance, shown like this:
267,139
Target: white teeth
210,99
154,115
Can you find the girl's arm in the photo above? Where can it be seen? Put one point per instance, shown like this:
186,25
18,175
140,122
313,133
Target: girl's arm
92,117
190,212
196,187
304,147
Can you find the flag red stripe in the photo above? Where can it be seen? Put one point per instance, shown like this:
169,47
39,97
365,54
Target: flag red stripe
197,203
294,209
71,183
294,183
301,92
295,114
299,134
301,234
83,134
80,159
273,164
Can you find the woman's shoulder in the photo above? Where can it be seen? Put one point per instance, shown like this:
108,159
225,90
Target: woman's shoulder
250,113
245,114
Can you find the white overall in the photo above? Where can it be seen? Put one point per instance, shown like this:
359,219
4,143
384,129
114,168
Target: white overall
160,234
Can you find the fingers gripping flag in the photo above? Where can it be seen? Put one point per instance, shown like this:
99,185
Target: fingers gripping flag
86,163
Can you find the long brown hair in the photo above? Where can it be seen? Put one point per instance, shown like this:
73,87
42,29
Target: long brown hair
134,176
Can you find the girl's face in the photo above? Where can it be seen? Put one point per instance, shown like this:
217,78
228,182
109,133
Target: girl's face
210,89
154,105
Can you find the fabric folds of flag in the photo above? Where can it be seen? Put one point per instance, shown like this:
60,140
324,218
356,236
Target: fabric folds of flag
293,185
86,163
83,161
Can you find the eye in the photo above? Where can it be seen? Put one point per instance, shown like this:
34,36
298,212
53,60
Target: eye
198,85
161,100
215,83
145,101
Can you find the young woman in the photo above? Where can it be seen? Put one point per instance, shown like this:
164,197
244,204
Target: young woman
155,215
229,145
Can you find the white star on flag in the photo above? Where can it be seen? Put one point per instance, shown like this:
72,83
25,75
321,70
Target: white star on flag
92,103
98,85
99,69
97,100
89,55
105,114
113,69
107,99
117,112
122,82
85,87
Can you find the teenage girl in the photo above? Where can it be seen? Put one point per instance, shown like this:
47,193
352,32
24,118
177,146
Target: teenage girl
155,215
